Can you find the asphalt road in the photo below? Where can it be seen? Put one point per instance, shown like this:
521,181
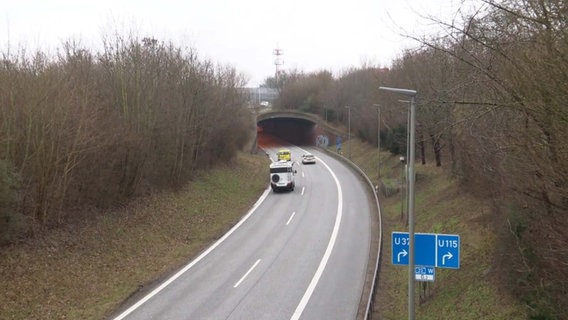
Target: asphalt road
295,255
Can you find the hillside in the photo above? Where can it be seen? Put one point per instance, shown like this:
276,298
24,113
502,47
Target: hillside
478,290
81,271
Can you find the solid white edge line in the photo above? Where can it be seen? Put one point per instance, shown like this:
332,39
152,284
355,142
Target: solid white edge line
192,263
291,217
246,274
310,290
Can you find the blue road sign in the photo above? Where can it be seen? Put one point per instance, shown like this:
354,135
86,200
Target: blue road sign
422,273
430,250
448,251
425,249
400,248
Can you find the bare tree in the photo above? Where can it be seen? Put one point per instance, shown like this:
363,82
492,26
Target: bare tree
85,128
509,124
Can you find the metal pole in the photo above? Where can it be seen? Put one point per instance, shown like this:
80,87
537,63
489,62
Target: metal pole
402,186
349,131
378,140
407,172
408,131
410,161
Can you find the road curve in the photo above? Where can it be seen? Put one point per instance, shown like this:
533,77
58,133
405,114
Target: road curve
296,255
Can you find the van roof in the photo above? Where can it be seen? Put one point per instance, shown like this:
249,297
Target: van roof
281,163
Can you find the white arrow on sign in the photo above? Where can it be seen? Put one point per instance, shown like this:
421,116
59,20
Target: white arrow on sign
449,256
403,252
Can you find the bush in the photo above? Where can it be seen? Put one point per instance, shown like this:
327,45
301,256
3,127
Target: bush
93,129
395,141
11,223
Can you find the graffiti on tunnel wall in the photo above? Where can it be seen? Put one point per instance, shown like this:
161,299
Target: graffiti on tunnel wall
322,141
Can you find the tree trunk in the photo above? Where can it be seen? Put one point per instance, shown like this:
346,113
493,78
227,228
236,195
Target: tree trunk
422,149
437,150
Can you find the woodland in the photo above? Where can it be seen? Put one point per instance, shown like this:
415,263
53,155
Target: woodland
83,131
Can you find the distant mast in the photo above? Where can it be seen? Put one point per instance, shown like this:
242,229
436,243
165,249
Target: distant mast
277,62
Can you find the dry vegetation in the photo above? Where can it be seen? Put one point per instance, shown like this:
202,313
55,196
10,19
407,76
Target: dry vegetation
83,129
492,107
478,290
85,269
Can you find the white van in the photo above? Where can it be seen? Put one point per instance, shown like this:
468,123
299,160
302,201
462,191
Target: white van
282,175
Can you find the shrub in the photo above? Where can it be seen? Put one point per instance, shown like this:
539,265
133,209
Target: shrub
11,222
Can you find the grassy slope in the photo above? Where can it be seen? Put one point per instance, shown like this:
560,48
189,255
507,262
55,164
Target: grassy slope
82,272
472,292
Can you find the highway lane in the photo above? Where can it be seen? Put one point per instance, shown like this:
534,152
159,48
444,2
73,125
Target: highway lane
274,265
339,289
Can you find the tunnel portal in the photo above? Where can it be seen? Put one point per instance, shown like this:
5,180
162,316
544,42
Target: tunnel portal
295,131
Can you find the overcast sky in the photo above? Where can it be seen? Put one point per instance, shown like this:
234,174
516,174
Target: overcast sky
313,34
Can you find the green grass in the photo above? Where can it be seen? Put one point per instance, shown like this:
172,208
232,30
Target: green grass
475,291
84,271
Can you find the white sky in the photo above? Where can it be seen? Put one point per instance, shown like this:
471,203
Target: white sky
313,34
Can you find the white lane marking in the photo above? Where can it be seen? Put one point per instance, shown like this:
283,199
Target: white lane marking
303,189
303,174
291,217
310,290
246,274
199,258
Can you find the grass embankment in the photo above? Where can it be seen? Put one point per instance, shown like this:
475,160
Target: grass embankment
84,271
475,291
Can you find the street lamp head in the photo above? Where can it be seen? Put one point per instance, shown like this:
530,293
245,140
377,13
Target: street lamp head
406,92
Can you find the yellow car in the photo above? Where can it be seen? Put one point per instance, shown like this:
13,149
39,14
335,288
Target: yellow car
284,154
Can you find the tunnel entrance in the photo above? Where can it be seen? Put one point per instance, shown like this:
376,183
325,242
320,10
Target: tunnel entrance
295,131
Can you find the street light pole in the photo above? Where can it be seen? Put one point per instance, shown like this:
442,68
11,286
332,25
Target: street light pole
378,140
407,146
411,177
402,188
349,131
